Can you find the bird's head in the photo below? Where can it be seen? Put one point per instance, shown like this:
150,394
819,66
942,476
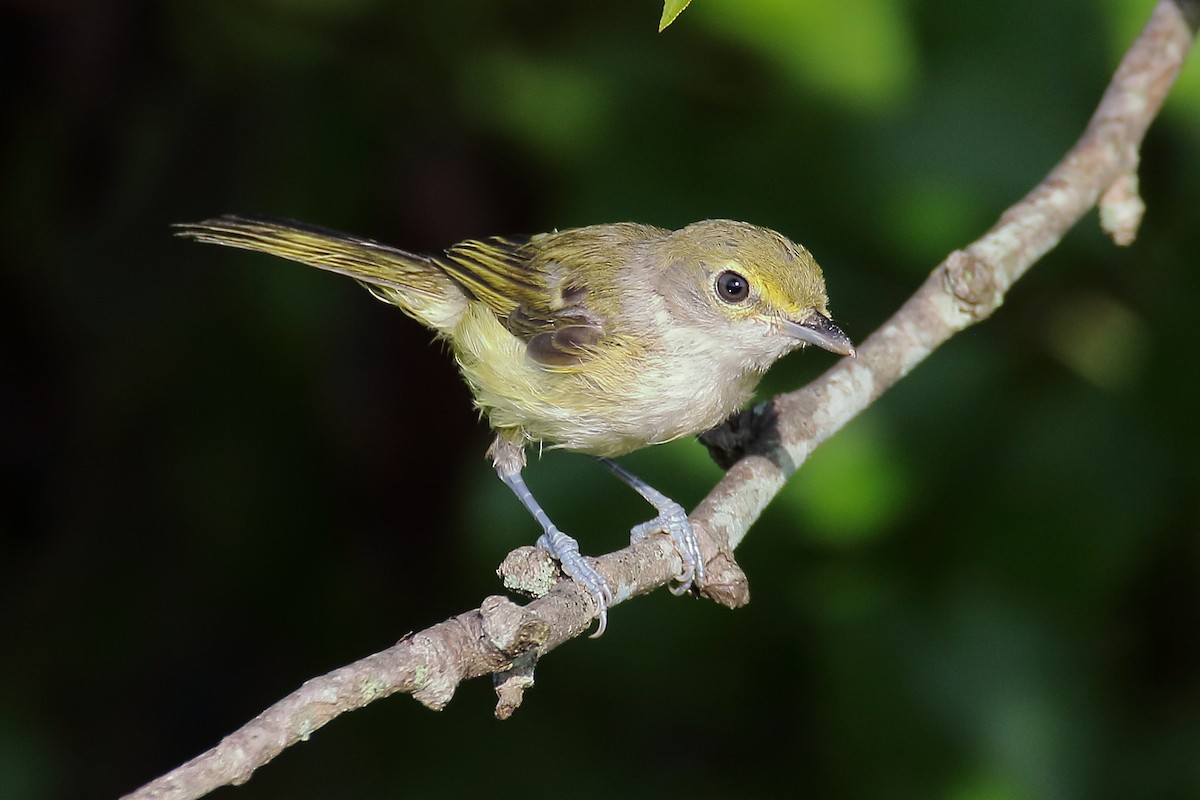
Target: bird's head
764,291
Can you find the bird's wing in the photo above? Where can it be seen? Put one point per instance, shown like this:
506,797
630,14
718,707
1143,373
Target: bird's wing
498,271
536,288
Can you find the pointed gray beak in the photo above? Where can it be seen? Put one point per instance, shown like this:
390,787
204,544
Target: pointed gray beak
819,329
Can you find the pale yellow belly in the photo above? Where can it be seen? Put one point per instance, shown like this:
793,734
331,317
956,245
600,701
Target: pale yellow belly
609,407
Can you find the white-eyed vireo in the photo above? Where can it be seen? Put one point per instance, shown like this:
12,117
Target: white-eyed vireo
602,339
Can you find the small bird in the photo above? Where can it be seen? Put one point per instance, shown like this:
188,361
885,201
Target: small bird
602,340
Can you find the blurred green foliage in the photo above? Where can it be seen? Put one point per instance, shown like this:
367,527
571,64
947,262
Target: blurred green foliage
859,53
226,475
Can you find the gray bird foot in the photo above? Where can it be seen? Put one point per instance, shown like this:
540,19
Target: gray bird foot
565,550
672,519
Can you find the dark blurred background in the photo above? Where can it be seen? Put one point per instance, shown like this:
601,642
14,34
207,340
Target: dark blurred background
224,474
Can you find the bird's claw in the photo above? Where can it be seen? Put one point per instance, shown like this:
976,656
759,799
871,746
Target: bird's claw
673,520
565,550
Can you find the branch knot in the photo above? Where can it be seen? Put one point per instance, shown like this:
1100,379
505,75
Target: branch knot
971,281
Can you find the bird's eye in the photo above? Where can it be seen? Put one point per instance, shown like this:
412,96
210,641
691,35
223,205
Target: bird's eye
732,287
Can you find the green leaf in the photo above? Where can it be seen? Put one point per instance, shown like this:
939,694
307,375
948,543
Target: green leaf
671,10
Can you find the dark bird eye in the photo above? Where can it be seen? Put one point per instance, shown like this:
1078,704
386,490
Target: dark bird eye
732,288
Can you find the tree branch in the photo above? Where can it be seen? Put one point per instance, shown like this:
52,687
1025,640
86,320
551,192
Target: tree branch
763,447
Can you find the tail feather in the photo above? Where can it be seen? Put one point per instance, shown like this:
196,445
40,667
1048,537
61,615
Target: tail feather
414,283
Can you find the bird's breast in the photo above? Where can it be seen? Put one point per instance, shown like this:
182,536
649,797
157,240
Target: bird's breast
633,393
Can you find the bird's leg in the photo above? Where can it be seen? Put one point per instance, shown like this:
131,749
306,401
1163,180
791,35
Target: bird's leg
561,547
671,519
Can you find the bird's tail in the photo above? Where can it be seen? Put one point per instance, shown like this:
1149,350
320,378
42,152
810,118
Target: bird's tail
414,283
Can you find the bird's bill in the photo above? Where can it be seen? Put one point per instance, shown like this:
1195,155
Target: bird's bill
820,330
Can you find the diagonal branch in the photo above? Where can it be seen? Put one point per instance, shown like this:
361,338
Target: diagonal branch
767,444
